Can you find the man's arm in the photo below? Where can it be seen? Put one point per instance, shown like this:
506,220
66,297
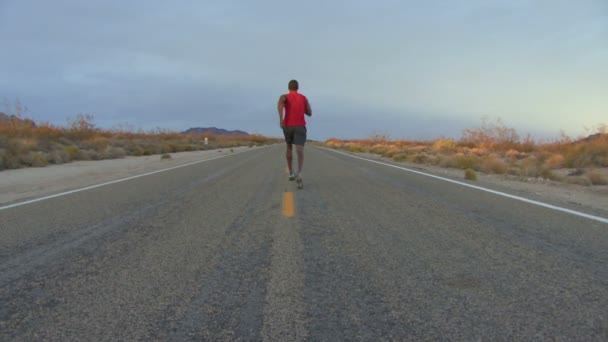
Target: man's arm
280,107
308,109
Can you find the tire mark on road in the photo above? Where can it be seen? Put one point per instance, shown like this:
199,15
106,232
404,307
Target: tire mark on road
227,305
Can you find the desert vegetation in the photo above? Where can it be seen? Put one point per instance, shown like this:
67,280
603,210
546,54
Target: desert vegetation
24,143
494,148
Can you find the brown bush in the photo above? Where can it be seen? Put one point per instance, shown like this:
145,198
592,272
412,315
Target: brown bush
399,157
530,167
548,174
555,161
493,164
114,152
513,155
462,161
356,148
597,178
39,159
445,161
72,152
21,139
470,174
578,180
490,135
417,158
445,145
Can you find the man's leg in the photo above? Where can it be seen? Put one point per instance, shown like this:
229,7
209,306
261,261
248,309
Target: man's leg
300,140
300,150
289,156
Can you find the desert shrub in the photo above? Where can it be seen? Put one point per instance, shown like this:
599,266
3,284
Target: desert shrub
597,178
528,144
479,151
578,180
98,143
492,164
513,171
356,148
399,157
434,159
379,149
36,159
418,158
444,145
17,147
513,154
530,167
462,161
470,174
58,156
166,148
493,136
24,143
590,154
446,161
39,159
89,155
11,161
115,152
549,174
555,161
72,152
391,151
165,156
81,127
2,157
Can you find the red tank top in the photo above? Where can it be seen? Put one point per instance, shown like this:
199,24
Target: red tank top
295,106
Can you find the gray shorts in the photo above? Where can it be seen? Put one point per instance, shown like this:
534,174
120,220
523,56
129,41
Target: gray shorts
295,134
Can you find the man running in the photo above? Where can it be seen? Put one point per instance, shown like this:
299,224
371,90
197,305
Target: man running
294,105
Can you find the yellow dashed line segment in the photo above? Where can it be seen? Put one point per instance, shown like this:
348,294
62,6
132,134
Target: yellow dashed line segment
288,204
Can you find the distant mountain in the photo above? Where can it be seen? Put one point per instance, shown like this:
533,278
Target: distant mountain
212,131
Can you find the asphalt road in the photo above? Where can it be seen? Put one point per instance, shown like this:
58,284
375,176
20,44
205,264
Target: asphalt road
212,251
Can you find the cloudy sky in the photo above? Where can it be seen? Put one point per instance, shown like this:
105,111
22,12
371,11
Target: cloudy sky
412,69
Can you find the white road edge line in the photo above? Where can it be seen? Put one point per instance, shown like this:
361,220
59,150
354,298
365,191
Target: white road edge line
541,204
18,204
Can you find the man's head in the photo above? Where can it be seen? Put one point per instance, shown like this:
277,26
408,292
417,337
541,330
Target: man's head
293,85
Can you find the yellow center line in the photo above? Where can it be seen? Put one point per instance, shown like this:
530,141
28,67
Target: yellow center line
288,204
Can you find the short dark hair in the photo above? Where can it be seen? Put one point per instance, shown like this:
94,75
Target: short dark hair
293,85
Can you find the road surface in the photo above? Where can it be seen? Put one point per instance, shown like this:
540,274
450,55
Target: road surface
229,250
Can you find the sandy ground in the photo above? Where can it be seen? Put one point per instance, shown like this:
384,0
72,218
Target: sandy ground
23,184
571,195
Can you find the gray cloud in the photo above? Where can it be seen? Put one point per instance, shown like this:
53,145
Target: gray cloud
408,68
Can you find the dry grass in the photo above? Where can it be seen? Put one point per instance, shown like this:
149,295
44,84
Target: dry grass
494,164
578,180
25,144
596,178
494,148
470,174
